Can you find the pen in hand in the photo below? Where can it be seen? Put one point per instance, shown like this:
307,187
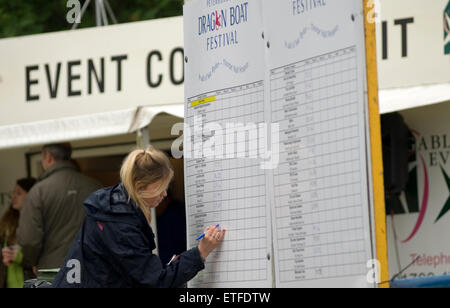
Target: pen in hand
203,235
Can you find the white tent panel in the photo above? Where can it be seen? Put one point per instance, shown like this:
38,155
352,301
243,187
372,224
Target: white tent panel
392,100
67,129
96,125
145,114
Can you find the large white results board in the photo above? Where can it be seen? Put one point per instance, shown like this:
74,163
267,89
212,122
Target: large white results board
293,195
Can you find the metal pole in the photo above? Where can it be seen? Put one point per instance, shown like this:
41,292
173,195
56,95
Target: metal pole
83,9
110,11
103,12
98,19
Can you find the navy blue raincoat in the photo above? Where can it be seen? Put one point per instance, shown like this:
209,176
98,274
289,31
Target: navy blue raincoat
114,249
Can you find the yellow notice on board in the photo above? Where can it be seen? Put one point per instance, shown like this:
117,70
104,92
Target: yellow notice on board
203,101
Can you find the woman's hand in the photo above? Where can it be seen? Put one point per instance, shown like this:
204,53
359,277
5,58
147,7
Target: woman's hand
213,237
9,255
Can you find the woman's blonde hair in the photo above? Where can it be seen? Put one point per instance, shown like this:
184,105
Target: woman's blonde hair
142,168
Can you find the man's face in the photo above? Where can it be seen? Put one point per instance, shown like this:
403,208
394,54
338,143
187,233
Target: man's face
46,160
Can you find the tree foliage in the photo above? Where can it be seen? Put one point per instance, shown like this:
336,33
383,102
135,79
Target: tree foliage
24,17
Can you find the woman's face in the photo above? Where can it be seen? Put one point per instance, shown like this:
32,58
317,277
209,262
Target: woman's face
154,194
18,197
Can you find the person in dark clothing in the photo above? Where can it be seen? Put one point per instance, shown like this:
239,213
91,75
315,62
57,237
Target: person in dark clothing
114,246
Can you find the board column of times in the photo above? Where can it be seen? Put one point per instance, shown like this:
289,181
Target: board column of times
319,214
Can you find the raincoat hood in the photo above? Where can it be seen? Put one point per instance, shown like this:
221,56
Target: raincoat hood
113,204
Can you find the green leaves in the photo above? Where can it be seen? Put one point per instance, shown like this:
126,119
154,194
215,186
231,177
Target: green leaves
22,17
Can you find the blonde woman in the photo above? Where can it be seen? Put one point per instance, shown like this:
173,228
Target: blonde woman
114,247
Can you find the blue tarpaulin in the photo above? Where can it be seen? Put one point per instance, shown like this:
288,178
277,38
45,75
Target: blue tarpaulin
425,282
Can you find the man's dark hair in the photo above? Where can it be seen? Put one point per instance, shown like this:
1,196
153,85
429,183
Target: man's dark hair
59,151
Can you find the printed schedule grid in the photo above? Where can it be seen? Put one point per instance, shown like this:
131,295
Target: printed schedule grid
229,191
318,200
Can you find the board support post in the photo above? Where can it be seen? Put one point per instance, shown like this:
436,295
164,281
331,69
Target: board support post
375,141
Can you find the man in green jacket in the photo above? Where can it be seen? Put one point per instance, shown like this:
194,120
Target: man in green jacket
53,210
